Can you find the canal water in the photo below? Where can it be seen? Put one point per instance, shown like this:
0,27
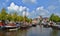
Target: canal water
33,31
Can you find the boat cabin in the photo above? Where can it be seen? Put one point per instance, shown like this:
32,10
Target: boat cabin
1,23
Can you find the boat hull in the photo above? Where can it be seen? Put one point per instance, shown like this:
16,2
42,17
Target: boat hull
11,28
34,25
56,27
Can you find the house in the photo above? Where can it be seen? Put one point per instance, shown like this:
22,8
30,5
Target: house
35,20
46,19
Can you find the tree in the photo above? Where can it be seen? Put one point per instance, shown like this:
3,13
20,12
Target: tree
54,18
3,14
19,18
14,16
9,17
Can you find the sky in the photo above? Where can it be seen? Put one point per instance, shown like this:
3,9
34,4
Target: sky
32,8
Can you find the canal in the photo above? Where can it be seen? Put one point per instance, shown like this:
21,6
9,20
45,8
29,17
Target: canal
33,31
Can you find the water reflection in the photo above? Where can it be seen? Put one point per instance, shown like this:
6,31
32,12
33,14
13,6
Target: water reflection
54,33
22,32
33,31
10,34
1,33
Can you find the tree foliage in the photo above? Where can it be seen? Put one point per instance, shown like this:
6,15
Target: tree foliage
12,17
55,18
3,14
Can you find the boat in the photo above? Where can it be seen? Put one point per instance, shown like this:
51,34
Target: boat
1,25
23,25
34,24
51,24
45,24
11,26
57,27
30,25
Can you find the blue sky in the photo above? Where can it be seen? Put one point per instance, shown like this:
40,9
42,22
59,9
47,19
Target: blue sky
33,8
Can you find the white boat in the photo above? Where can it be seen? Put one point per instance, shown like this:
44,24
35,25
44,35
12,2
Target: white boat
11,26
13,29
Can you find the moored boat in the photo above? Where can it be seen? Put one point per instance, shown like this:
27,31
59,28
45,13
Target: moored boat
57,27
45,24
1,25
11,26
51,24
33,24
24,25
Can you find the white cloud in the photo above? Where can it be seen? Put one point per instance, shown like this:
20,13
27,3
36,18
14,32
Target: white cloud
32,14
42,11
40,8
18,9
30,1
52,7
25,13
22,10
13,7
57,14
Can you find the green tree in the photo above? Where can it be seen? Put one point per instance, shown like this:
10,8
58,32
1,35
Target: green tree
54,18
14,16
3,14
19,18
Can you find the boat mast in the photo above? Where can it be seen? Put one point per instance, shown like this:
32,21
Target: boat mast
24,16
